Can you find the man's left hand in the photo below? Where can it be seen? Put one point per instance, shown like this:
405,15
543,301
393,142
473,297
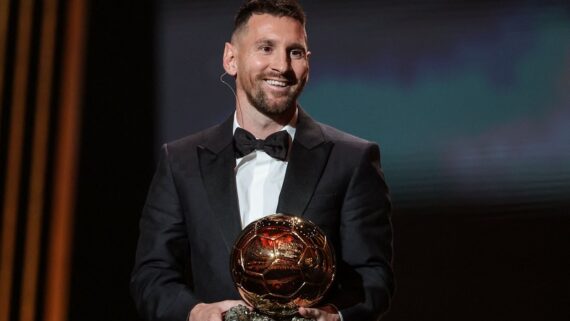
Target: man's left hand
326,313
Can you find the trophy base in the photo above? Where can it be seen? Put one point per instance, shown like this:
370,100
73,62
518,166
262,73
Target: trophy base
241,313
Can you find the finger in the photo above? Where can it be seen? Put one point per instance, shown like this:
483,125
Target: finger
310,313
228,304
207,316
245,304
215,317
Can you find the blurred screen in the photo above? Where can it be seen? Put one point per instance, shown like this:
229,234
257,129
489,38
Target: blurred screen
468,100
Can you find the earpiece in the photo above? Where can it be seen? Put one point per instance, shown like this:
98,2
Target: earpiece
238,107
225,83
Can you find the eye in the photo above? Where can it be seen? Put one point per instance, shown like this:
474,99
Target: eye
297,53
266,49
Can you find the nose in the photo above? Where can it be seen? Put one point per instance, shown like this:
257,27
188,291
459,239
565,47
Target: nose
281,62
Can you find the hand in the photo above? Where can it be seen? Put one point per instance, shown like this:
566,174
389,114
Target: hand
325,313
212,311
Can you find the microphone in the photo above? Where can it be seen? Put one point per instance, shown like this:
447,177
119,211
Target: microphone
225,83
238,107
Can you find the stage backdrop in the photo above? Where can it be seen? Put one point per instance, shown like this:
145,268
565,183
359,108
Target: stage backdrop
469,100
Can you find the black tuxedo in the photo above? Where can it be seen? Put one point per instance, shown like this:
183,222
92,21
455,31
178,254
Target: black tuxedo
191,219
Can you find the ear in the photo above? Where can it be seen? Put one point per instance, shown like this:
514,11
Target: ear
308,68
229,59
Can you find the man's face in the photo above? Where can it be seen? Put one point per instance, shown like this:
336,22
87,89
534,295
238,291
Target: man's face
272,60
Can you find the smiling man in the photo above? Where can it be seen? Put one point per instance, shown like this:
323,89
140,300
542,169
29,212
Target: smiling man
268,56
267,157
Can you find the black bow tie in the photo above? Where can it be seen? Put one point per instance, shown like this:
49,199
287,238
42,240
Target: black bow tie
275,145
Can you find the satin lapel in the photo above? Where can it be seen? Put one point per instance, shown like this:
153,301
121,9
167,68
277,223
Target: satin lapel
217,163
309,155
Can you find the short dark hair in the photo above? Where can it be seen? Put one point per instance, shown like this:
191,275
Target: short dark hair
278,8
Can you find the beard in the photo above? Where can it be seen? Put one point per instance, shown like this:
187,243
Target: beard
258,99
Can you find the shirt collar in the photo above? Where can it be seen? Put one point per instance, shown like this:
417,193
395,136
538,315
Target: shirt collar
290,128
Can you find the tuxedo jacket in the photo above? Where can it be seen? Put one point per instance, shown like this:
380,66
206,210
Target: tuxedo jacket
191,219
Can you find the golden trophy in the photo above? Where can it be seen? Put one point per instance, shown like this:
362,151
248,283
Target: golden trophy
278,264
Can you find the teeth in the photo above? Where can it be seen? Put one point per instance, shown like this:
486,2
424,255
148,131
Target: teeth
276,83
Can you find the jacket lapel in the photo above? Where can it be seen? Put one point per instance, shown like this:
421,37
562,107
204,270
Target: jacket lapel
217,163
309,155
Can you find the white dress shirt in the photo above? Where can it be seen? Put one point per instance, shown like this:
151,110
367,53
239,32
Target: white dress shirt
259,178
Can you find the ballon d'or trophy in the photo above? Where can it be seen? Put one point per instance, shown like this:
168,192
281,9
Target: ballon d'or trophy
280,263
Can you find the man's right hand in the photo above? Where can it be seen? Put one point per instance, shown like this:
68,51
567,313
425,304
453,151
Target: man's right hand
212,311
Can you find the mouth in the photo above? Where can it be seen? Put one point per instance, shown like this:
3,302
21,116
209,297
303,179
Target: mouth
277,83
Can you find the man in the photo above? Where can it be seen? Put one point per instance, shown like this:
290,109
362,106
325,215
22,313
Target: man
208,186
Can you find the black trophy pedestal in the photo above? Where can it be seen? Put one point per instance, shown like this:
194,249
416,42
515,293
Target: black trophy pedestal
241,313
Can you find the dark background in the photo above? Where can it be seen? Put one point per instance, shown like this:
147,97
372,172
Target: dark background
468,100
